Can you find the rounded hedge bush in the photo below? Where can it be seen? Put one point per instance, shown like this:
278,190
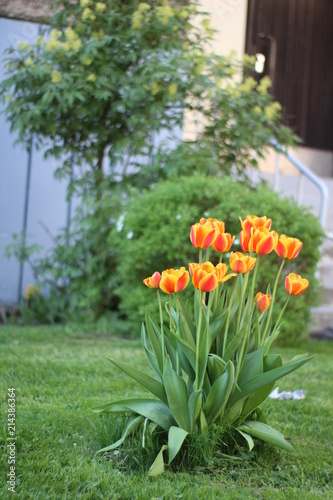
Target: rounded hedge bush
155,236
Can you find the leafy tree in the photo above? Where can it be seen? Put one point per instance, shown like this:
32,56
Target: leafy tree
110,74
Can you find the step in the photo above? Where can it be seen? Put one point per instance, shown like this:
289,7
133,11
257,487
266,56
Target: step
322,317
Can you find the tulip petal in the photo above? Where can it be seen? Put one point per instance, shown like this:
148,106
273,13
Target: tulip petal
265,246
208,283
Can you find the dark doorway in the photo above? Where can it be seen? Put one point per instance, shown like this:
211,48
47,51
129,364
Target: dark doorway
296,38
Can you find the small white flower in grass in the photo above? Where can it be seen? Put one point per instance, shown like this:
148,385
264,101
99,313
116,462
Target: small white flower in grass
178,216
130,235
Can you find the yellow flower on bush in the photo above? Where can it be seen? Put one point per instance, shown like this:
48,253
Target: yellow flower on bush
87,61
100,7
55,34
66,46
143,7
264,85
164,13
91,77
29,62
248,85
52,45
84,3
184,14
76,45
39,40
87,15
98,35
23,45
172,89
31,290
56,77
155,88
70,34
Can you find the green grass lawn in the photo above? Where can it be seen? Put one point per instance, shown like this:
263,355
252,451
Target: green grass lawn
59,373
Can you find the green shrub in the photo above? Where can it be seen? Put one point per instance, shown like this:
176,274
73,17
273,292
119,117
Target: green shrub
156,230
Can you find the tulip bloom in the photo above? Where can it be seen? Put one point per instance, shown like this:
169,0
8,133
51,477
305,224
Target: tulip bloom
220,226
263,301
288,248
153,281
252,221
223,242
174,280
295,284
241,263
263,241
204,277
244,241
203,234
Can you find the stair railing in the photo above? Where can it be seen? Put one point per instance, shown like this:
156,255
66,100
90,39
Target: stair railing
304,172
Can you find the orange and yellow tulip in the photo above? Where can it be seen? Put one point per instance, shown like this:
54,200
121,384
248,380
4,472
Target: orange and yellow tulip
206,276
153,281
220,226
174,280
223,242
203,234
295,284
263,301
245,241
252,221
240,263
288,248
263,241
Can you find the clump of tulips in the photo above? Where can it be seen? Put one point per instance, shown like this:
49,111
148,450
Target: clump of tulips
211,362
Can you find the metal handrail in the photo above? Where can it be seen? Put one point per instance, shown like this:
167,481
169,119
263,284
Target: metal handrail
307,173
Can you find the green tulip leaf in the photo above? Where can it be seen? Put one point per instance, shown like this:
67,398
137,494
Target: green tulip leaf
132,424
265,433
205,345
154,410
154,338
157,467
151,384
263,379
176,437
248,439
150,356
194,406
219,393
216,366
176,391
252,366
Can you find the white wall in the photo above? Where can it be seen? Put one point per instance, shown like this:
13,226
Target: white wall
47,197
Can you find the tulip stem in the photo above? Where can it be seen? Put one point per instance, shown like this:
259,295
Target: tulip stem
272,302
254,278
198,344
228,317
161,322
244,286
281,313
221,255
200,255
177,355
